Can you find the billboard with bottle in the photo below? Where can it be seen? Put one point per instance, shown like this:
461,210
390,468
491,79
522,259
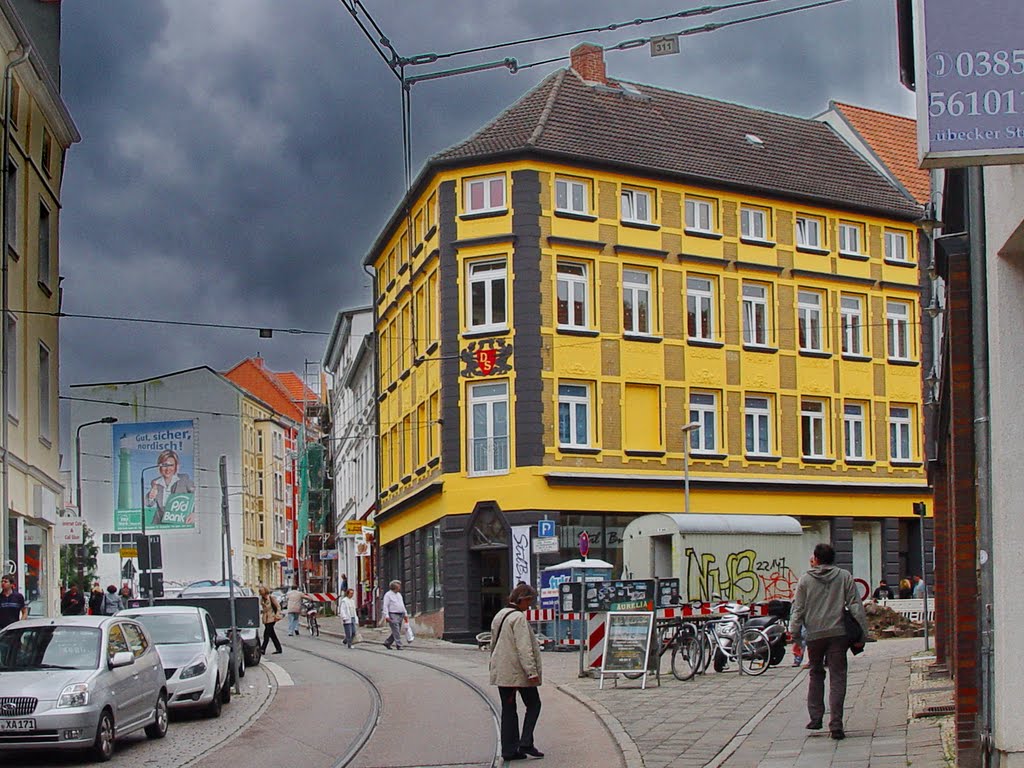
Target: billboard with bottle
153,475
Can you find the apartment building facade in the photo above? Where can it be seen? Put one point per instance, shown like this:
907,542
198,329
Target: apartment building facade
39,131
604,264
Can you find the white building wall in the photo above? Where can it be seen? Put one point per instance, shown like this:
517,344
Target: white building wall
353,424
197,394
1004,203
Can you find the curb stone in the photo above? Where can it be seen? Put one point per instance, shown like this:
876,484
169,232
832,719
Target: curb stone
267,701
627,747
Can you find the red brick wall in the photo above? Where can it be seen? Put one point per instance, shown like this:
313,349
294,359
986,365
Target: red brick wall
956,519
588,60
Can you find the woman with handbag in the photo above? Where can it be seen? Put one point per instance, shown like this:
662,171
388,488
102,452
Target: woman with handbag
516,669
270,614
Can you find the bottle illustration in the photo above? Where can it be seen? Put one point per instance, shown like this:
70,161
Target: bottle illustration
124,475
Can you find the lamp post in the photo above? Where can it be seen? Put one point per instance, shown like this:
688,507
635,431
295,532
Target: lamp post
78,479
693,425
145,538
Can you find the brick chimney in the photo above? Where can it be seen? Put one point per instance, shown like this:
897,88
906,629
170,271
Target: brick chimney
588,61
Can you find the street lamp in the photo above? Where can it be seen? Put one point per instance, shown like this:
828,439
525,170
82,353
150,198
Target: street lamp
145,538
693,425
78,478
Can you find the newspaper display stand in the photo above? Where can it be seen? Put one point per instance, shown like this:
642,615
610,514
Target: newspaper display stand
627,647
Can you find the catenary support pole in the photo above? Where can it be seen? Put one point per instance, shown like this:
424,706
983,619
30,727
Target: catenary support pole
226,525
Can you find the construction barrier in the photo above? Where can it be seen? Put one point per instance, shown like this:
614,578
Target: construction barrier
321,597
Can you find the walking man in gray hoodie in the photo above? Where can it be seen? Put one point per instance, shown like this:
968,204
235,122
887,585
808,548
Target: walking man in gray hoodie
821,595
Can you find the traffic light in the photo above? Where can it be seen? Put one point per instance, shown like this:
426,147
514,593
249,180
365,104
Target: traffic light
151,582
920,508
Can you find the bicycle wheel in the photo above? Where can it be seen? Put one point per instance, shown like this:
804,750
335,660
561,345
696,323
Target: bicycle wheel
686,657
707,651
755,651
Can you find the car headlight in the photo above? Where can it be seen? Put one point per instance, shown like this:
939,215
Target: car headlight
76,695
193,670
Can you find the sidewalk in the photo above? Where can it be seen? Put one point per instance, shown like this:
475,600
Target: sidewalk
728,721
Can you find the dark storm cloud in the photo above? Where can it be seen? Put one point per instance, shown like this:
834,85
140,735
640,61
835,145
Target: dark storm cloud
239,156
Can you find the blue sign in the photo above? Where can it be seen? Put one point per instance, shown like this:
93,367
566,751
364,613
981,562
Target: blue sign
545,529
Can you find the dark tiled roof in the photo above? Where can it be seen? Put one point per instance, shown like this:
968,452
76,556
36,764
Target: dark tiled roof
666,132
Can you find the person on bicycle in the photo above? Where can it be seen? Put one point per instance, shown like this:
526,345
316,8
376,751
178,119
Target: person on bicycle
822,594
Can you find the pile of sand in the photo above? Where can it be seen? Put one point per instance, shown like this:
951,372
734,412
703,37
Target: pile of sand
884,622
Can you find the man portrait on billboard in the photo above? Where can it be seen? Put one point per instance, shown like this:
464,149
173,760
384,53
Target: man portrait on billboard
167,484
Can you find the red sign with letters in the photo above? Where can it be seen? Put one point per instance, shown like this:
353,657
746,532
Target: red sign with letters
485,360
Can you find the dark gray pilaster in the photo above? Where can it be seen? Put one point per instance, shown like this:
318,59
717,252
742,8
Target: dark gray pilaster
891,551
448,307
526,316
842,541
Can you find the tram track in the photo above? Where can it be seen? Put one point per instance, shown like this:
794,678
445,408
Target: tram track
373,719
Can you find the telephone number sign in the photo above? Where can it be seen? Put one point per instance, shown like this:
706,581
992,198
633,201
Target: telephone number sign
971,82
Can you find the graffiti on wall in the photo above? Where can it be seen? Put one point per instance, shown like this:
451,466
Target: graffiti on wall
739,576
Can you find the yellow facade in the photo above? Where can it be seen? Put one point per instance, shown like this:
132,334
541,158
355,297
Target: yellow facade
639,385
261,554
41,131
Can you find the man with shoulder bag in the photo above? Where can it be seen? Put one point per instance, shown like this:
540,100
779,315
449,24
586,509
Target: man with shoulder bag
828,608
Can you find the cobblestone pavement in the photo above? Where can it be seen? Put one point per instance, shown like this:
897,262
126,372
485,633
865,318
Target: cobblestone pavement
189,737
728,721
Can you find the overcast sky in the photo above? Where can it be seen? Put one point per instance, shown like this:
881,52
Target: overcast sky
238,157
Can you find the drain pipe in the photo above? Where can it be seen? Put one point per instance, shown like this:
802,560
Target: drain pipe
982,450
5,507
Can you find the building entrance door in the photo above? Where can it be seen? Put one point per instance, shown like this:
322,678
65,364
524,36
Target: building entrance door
494,586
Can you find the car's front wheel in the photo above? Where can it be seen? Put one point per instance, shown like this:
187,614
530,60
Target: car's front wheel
158,728
103,746
214,707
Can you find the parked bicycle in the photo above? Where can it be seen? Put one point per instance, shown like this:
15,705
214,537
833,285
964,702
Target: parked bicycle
725,640
680,638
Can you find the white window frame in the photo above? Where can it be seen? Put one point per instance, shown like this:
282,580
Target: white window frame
805,226
640,293
700,214
897,247
700,301
629,206
45,391
45,237
704,411
575,398
897,329
813,444
477,275
755,307
492,396
753,219
809,316
11,353
851,323
575,284
850,236
901,434
757,425
489,205
854,432
566,188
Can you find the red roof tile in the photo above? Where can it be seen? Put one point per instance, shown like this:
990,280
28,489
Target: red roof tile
894,141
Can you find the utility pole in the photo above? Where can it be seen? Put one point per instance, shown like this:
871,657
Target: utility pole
226,527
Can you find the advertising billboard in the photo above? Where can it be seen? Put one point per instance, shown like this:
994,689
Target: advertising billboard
970,82
153,471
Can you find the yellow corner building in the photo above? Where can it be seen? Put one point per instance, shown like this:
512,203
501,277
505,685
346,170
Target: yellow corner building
604,264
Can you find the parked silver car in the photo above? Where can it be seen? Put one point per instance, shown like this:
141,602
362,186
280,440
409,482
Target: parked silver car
197,662
78,682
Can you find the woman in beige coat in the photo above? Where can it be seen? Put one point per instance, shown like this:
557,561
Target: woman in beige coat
515,668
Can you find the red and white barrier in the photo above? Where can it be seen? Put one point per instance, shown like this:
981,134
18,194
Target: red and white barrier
542,614
707,609
595,639
321,597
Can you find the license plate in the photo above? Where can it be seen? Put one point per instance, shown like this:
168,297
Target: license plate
24,724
